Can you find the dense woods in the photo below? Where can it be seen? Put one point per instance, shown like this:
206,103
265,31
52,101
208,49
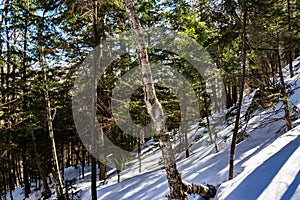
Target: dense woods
43,44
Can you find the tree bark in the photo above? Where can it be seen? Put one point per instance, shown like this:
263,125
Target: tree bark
54,185
82,160
140,150
94,84
284,97
2,75
102,173
178,189
48,111
62,161
289,53
25,173
47,192
237,120
25,107
207,111
8,59
184,129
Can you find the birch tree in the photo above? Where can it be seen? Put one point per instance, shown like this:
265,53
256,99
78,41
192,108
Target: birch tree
178,189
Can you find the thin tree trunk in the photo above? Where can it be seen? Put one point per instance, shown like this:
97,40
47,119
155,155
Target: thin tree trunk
290,60
287,115
290,56
234,91
178,190
207,112
2,75
184,129
10,178
48,112
62,161
140,150
8,60
213,140
18,170
25,174
228,94
47,192
94,178
69,156
54,185
25,107
102,173
82,161
94,81
4,182
237,120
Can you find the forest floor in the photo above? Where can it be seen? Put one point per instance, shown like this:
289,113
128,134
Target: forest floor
266,163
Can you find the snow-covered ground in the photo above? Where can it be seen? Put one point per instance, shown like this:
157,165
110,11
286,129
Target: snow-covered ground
267,162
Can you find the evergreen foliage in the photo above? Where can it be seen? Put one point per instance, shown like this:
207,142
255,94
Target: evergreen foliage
273,40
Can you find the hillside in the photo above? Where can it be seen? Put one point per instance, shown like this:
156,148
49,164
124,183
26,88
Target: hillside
266,164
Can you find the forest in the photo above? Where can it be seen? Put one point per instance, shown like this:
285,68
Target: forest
62,108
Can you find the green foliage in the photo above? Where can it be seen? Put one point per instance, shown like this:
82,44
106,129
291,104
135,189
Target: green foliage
67,39
170,103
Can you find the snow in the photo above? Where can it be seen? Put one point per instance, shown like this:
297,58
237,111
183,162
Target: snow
267,162
273,173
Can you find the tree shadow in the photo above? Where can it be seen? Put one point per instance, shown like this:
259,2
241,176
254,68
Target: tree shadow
257,181
292,188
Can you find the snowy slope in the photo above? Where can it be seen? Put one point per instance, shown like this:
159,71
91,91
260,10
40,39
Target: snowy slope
267,162
266,158
266,167
273,173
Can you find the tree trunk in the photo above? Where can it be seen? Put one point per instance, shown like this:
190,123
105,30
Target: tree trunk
2,74
140,150
228,94
284,97
47,192
213,140
234,91
62,161
48,110
25,107
184,129
289,53
54,185
82,161
69,156
102,173
8,60
178,190
18,171
95,41
94,178
237,120
10,176
25,176
207,112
